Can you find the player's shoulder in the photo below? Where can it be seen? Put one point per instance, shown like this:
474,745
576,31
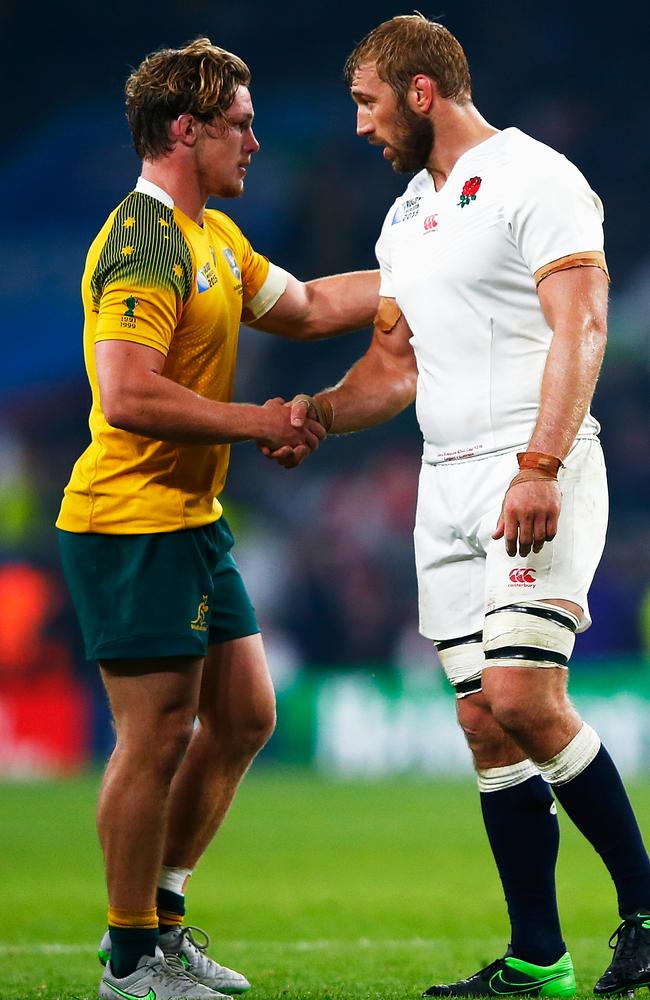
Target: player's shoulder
222,225
145,228
533,173
528,157
141,239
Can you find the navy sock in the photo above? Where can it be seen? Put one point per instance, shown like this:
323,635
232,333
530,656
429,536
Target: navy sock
171,909
128,945
523,831
596,801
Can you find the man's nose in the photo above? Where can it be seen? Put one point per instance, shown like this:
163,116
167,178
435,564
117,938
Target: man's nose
364,122
253,145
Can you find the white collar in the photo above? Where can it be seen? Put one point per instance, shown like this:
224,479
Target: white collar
147,187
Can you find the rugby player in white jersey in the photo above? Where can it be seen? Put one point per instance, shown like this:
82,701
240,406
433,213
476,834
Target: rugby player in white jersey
493,318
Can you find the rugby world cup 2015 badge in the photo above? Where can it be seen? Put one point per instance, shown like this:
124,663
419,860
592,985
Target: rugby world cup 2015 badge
205,278
406,210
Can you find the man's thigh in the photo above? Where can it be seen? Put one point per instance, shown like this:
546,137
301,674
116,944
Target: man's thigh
463,572
237,690
458,507
144,695
564,568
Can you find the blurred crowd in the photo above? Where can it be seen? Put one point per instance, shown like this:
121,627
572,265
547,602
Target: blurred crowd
326,550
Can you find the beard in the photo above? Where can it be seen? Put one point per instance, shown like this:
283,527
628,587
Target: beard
414,142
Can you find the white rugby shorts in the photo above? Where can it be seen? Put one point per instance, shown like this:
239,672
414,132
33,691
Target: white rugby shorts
463,573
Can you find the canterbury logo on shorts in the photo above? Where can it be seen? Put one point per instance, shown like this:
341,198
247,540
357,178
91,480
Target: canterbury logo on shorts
522,575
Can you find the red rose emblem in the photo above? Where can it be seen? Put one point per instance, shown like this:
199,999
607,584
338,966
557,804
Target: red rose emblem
469,192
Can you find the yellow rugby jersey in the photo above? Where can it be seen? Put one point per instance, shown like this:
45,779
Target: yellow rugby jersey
155,277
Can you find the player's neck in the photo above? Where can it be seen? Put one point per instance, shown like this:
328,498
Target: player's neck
459,128
180,185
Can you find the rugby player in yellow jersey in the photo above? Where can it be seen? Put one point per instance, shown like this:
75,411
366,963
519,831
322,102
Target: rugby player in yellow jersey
144,544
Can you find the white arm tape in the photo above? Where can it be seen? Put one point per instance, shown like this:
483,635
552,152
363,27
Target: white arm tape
274,286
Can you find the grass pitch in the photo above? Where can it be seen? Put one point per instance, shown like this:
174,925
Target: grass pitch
316,889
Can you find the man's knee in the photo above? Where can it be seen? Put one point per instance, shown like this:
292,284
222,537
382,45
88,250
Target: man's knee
490,745
160,748
245,731
173,745
255,727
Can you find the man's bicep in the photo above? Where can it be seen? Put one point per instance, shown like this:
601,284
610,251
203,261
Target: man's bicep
574,296
123,368
392,335
289,303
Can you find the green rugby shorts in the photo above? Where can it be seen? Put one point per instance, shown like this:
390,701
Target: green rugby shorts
161,594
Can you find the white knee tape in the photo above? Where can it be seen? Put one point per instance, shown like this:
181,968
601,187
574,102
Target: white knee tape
575,757
493,779
530,634
462,661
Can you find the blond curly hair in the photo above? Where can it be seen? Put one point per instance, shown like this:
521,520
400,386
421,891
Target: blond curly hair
199,79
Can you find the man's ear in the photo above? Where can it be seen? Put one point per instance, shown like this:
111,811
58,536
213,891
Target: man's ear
184,129
422,94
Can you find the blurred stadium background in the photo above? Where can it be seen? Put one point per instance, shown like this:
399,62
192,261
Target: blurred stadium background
326,550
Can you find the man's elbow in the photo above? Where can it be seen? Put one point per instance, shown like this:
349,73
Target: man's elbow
404,390
119,410
597,336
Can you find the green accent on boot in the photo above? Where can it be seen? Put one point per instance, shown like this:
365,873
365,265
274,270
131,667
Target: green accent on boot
103,956
557,980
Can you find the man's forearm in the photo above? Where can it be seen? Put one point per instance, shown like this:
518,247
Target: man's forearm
162,409
369,394
574,304
568,385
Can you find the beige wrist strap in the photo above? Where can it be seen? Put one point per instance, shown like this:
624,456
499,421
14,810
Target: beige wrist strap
318,409
538,460
535,465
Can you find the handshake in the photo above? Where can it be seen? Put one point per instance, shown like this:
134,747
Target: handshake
296,428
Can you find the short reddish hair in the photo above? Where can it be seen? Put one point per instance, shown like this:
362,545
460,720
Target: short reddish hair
411,44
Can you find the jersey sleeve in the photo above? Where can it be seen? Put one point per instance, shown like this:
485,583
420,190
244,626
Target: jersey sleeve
142,277
382,253
554,215
263,282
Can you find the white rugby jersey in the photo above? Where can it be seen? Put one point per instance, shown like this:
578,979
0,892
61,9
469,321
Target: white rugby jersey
460,263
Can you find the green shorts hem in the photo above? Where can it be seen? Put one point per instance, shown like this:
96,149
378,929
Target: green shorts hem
143,646
156,646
